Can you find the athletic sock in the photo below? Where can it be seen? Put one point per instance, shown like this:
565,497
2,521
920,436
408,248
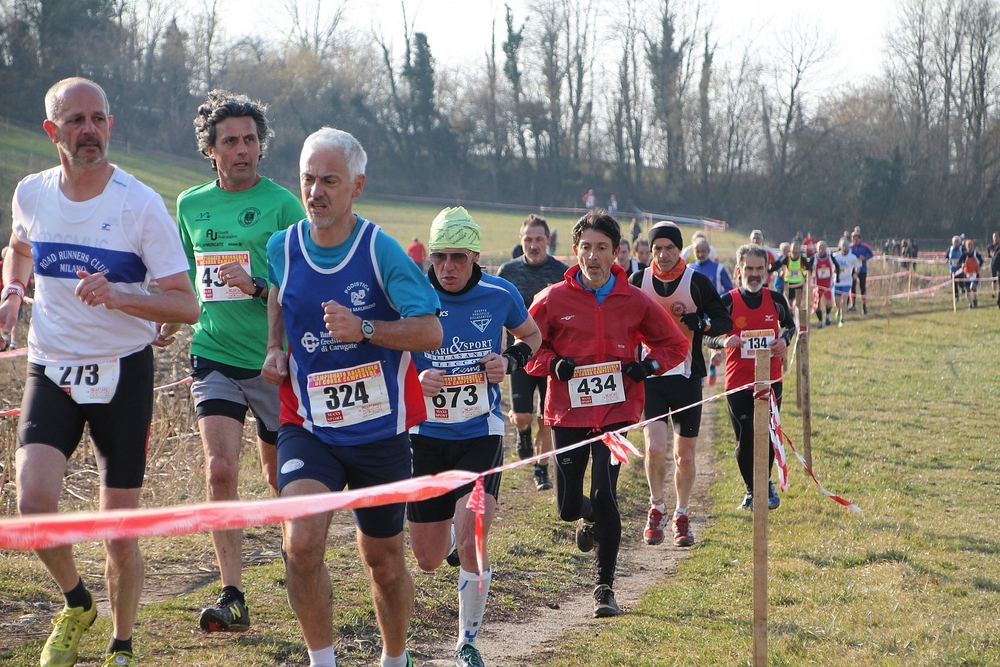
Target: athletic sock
660,506
398,661
78,597
120,645
325,657
471,604
234,592
525,448
679,511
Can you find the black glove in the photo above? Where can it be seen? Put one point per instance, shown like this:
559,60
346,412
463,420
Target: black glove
694,322
517,355
563,367
636,371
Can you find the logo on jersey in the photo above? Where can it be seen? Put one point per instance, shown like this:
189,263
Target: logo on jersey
567,318
106,226
769,318
357,292
249,216
677,309
481,319
740,322
309,342
203,216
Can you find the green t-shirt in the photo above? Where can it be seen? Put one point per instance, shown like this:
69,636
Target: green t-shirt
217,226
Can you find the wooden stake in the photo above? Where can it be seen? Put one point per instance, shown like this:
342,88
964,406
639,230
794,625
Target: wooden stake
761,450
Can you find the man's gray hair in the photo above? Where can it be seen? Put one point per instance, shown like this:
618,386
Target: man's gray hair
750,250
53,97
332,139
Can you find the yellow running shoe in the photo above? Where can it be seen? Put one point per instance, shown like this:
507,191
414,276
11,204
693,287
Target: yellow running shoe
70,624
120,659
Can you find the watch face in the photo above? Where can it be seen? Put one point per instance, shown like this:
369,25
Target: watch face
367,328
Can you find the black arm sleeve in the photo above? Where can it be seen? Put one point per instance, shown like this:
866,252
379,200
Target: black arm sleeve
718,342
785,317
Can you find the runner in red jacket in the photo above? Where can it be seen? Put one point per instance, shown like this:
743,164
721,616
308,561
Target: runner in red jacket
591,325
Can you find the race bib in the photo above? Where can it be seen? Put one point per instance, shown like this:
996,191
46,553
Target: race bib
211,286
461,398
823,272
596,384
751,341
88,383
348,396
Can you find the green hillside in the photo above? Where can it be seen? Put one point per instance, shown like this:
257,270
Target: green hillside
24,151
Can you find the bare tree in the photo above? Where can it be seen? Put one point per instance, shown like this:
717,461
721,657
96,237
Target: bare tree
783,95
314,26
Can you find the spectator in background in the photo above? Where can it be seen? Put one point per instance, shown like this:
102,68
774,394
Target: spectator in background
613,205
590,199
417,252
636,229
553,241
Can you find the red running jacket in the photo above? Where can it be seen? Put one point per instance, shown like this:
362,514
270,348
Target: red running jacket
573,325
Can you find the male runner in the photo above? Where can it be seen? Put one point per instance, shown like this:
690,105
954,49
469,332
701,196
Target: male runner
761,318
95,237
826,272
971,263
464,428
863,252
224,226
530,273
591,324
693,303
351,306
848,264
795,265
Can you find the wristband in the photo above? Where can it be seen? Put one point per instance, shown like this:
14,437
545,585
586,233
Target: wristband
13,287
517,355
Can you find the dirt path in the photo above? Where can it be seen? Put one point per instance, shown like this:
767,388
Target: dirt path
521,643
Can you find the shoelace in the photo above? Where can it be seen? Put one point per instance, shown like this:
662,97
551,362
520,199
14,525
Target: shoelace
60,622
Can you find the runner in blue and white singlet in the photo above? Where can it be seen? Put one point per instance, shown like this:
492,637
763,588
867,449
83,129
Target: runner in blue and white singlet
464,428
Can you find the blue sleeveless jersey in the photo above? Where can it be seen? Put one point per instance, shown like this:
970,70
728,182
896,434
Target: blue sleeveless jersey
344,393
473,324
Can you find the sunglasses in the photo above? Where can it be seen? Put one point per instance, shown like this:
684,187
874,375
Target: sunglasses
455,257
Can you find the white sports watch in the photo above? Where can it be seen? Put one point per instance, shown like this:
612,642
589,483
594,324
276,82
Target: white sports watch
367,331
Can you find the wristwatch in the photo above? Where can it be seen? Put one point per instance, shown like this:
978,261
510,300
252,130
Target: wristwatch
367,331
261,285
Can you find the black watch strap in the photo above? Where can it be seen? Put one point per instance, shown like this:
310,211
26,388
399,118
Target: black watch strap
261,285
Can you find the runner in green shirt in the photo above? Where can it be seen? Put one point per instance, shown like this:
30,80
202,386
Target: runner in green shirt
224,227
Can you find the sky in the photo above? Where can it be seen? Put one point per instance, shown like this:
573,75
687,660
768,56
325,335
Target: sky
458,31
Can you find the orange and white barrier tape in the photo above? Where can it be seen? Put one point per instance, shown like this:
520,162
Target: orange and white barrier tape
42,531
777,438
